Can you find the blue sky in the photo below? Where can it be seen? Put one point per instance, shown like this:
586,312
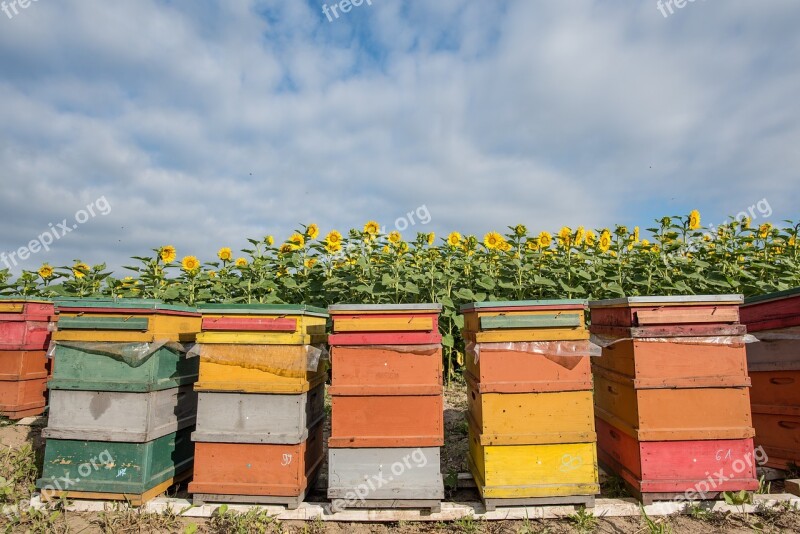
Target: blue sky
204,123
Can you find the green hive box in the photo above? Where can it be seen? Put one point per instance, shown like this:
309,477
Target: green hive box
84,370
119,468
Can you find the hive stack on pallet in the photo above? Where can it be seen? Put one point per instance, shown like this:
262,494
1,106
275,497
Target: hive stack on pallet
121,402
531,419
24,337
671,395
774,365
261,407
387,395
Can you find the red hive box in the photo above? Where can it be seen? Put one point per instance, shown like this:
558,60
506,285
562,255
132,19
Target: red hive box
672,395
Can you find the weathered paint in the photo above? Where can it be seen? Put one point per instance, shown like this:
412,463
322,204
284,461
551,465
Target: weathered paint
531,418
19,334
80,369
23,365
265,324
22,398
774,355
527,334
386,323
775,388
676,365
387,421
260,338
411,473
376,370
385,338
258,418
120,416
120,468
670,315
364,309
257,469
637,332
483,319
102,324
778,432
773,311
216,376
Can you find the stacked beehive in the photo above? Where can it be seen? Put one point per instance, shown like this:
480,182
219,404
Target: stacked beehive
774,365
387,395
24,337
531,423
121,402
671,395
261,406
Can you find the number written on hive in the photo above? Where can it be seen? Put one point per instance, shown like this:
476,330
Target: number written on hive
722,454
287,459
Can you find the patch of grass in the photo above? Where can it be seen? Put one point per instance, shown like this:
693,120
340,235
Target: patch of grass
18,474
699,512
121,518
467,525
48,521
764,487
255,521
582,520
660,526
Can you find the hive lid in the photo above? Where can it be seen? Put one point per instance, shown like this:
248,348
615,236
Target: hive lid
525,304
63,304
778,295
11,299
264,309
387,308
675,300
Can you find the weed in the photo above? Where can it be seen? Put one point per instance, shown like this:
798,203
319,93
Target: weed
225,521
699,512
451,482
764,487
121,517
582,520
18,474
660,526
467,525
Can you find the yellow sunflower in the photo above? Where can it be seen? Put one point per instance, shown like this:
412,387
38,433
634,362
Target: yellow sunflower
212,274
545,239
167,254
297,241
225,254
694,220
580,235
636,234
395,237
310,262
386,249
520,230
241,262
333,238
454,239
590,238
565,236
190,264
312,231
431,238
532,244
764,230
80,270
269,240
605,241
372,228
333,247
792,241
504,246
492,240
46,271
746,222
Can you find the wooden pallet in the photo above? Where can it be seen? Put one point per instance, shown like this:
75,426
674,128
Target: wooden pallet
131,498
586,501
433,505
291,502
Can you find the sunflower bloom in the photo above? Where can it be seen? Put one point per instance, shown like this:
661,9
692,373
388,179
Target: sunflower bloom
310,262
190,264
286,248
454,239
580,236
333,237
504,246
46,271
520,230
694,220
395,237
225,254
431,238
532,244
241,262
269,240
333,248
636,234
492,240
764,230
167,254
297,241
80,270
545,239
565,236
312,231
590,238
605,241
372,228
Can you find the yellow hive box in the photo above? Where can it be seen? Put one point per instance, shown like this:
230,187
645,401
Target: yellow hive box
260,338
533,471
286,369
531,418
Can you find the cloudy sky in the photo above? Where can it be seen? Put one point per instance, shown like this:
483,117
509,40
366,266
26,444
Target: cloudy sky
203,123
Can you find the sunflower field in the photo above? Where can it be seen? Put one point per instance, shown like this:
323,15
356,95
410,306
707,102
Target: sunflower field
365,266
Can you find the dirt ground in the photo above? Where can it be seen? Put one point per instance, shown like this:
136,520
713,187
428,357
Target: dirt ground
454,454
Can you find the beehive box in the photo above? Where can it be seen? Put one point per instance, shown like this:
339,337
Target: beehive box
385,370
385,324
675,467
24,324
263,324
259,418
114,471
387,421
109,367
239,470
531,418
22,398
774,311
120,416
22,365
259,368
124,321
385,477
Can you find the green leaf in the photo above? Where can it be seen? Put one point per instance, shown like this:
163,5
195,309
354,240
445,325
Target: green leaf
448,341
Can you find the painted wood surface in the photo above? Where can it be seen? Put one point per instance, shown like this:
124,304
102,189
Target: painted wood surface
524,305
132,499
258,418
122,468
774,355
23,365
80,369
387,421
518,471
676,365
256,469
27,307
775,388
91,305
769,312
512,371
386,323
385,473
24,335
263,310
252,324
216,376
665,315
365,309
678,466
104,323
22,398
622,332
260,338
538,317
385,338
94,322
372,370
527,334
673,414
120,416
532,418
779,432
